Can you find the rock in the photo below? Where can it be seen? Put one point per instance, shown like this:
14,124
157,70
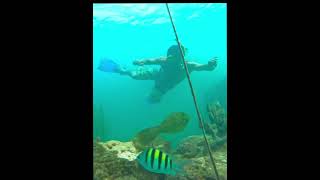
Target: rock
218,119
192,146
126,178
217,127
124,150
202,169
199,169
116,160
193,149
211,129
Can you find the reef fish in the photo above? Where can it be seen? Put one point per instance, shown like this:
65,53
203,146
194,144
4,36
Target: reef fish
156,161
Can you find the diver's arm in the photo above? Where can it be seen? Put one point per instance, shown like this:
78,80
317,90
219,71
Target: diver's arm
150,61
212,64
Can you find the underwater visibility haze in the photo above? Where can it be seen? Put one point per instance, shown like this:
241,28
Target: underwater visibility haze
144,113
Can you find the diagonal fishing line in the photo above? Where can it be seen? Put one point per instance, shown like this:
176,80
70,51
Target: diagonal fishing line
194,97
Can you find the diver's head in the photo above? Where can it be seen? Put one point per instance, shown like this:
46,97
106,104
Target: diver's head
174,52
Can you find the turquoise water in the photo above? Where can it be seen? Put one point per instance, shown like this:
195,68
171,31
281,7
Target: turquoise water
128,32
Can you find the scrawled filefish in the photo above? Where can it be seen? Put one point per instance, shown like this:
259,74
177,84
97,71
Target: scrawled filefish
156,161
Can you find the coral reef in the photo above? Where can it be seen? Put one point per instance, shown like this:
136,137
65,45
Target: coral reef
115,160
217,127
124,150
173,123
217,116
201,168
192,146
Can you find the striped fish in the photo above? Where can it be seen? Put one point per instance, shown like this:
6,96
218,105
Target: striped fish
156,161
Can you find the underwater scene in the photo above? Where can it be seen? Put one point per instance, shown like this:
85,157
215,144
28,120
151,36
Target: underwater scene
160,91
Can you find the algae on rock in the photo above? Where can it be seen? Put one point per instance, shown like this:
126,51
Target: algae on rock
194,149
217,128
116,160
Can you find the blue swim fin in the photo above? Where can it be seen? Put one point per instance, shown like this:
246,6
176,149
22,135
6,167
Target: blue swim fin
108,65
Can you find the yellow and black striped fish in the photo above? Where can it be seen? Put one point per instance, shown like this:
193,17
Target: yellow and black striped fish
156,161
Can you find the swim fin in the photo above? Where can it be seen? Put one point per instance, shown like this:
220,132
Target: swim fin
108,65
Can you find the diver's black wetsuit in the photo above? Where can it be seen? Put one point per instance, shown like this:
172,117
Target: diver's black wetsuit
167,78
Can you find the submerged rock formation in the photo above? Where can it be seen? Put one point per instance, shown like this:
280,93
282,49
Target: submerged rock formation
115,160
192,146
217,127
201,168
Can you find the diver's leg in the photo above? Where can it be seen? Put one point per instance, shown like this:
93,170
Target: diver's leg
132,74
155,96
138,75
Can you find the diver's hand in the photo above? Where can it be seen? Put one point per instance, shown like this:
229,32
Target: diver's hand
138,63
213,62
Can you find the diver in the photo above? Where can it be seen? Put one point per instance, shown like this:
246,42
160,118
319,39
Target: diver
170,74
